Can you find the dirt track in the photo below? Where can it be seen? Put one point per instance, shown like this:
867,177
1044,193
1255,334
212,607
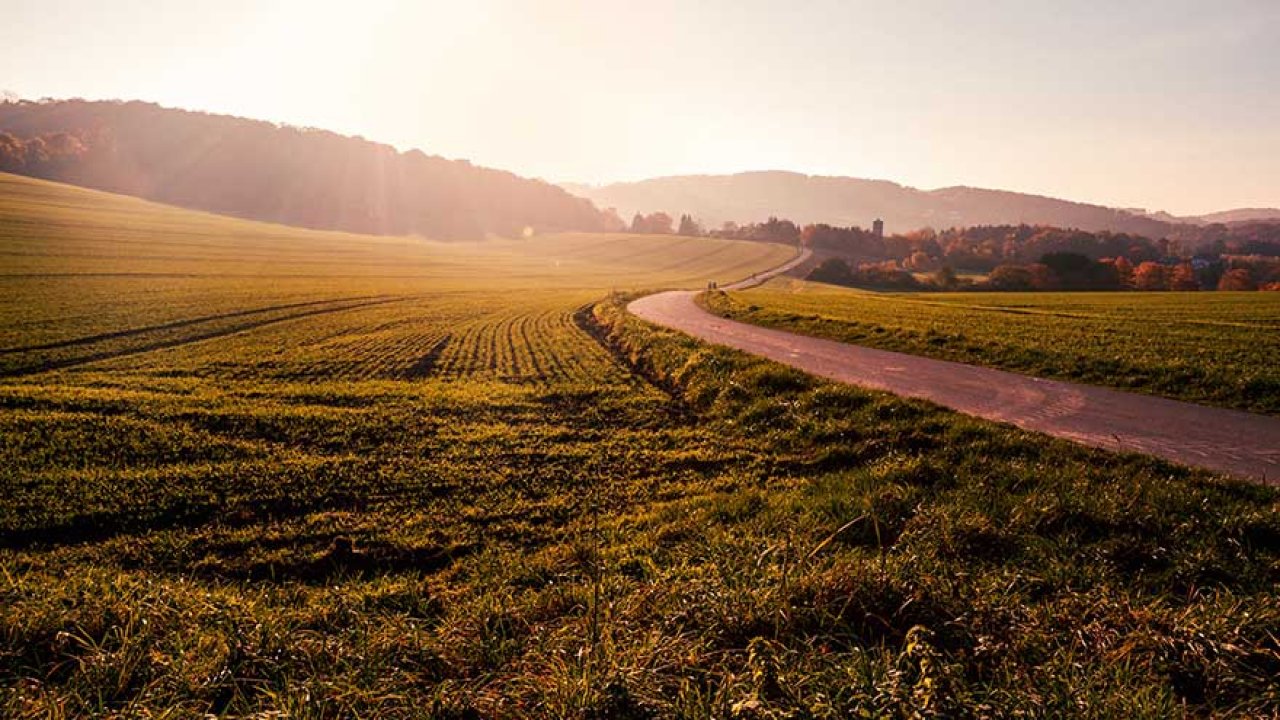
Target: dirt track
1236,443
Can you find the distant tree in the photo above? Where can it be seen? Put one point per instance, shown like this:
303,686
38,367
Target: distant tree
688,226
1011,277
1124,272
1209,274
1066,263
1140,252
1150,276
1075,271
613,222
925,239
885,276
775,230
660,223
833,271
919,260
1237,279
1183,278
13,153
64,144
638,224
1042,278
946,278
851,241
1267,272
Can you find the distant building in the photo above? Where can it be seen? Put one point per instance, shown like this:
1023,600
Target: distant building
877,227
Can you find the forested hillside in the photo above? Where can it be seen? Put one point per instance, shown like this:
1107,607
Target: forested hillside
260,170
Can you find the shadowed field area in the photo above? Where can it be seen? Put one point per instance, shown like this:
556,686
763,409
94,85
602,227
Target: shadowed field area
239,476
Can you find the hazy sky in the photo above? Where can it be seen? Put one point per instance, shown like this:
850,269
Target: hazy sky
1162,104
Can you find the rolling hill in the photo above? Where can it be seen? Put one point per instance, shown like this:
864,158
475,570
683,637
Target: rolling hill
89,274
845,201
1233,217
263,171
1240,216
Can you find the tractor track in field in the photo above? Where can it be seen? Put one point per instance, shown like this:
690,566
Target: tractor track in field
102,337
61,364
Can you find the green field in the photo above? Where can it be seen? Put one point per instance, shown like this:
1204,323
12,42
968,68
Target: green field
1213,348
89,275
256,471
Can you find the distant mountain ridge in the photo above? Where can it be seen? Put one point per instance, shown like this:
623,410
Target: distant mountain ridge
263,171
1237,216
847,201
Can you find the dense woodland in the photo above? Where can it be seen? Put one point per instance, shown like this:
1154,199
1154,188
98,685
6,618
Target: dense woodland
260,170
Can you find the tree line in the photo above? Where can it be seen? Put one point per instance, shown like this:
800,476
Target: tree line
1240,256
660,223
1067,271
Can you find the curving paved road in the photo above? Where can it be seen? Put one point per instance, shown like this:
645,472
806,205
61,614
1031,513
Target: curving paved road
758,278
1227,441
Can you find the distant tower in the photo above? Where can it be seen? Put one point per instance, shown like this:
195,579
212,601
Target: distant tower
877,227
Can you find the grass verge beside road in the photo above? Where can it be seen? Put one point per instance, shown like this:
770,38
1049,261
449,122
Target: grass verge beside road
1210,348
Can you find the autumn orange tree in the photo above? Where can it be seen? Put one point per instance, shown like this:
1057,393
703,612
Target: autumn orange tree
1237,279
1183,277
1124,271
1150,276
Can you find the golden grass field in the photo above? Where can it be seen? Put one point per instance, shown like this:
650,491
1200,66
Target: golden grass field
255,471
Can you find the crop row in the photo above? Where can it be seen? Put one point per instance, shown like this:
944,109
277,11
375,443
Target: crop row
470,335
541,345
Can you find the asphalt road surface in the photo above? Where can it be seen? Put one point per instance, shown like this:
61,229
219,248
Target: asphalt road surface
1235,443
